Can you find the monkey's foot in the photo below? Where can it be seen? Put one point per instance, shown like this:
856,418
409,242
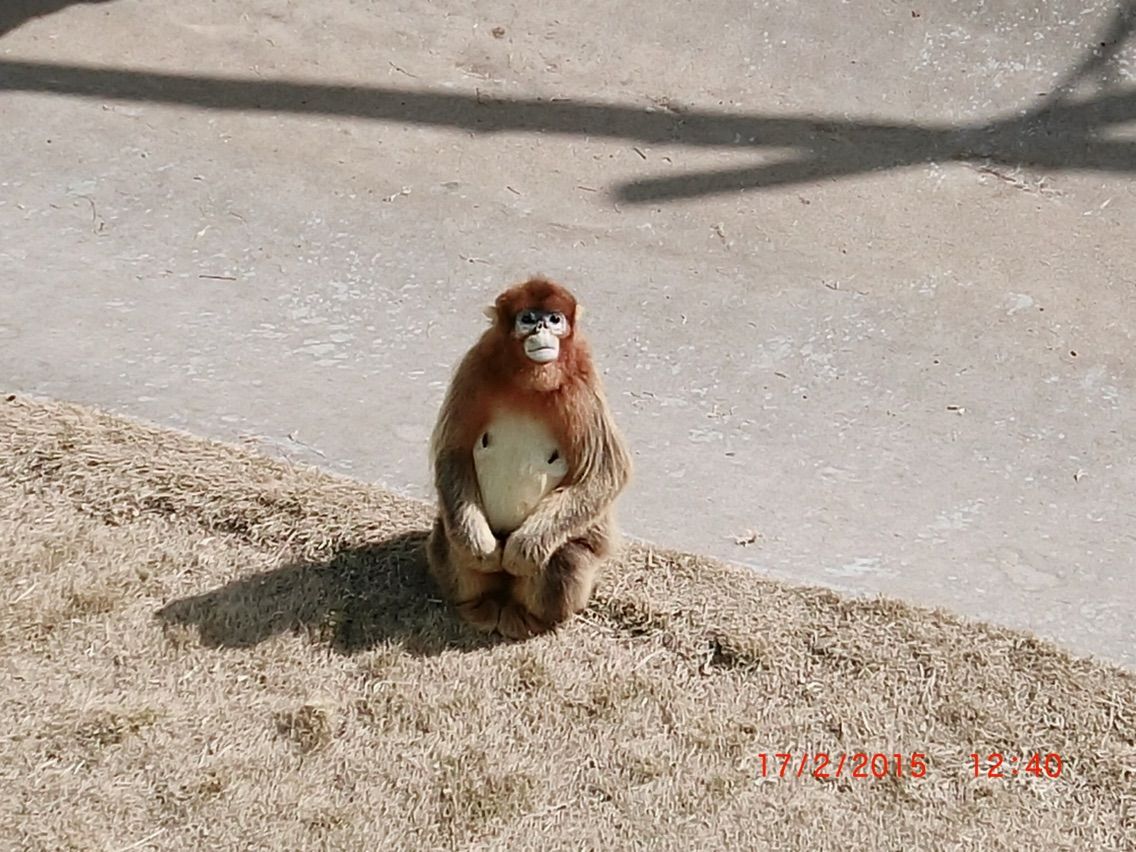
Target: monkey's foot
516,622
481,613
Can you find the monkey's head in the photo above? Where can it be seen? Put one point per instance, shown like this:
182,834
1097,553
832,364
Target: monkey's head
540,316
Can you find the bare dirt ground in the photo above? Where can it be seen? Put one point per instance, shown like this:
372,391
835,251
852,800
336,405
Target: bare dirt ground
860,274
203,649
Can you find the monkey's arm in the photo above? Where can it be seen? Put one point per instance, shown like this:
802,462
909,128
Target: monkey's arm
455,478
604,470
460,503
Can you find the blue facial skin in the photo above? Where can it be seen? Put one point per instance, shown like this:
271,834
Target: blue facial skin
541,332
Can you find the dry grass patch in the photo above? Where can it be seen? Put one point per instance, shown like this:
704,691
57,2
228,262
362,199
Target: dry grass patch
204,648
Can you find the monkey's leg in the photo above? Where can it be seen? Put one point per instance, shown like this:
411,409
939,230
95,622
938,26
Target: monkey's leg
560,590
476,594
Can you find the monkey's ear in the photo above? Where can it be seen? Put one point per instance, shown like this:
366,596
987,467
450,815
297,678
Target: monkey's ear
579,312
490,311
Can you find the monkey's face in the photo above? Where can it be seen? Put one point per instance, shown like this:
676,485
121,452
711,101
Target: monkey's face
540,332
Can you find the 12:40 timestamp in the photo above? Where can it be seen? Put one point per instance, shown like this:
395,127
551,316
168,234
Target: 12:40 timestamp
996,765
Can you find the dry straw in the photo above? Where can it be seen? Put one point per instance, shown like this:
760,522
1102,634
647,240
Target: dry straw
207,649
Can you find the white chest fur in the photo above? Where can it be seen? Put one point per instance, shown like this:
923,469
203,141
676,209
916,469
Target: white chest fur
517,463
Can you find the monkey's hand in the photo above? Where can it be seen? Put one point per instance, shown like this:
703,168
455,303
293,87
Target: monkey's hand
490,564
523,555
473,531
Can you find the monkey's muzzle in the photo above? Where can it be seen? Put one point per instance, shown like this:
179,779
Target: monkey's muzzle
542,346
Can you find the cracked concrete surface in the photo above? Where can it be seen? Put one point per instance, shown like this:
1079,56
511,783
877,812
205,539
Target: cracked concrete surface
860,276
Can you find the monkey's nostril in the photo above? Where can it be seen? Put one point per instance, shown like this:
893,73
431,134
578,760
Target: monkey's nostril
555,455
485,440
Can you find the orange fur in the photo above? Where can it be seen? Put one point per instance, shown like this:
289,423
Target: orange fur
544,571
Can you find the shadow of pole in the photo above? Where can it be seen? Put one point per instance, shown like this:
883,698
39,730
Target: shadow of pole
1056,135
16,13
1101,60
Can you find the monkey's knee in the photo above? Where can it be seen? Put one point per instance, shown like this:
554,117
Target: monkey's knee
564,587
601,540
476,595
478,598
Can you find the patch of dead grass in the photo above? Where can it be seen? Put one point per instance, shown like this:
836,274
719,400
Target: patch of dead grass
208,649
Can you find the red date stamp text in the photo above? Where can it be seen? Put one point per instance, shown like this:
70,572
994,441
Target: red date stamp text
827,766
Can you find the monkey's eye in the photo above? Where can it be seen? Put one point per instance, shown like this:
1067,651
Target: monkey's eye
555,319
527,318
